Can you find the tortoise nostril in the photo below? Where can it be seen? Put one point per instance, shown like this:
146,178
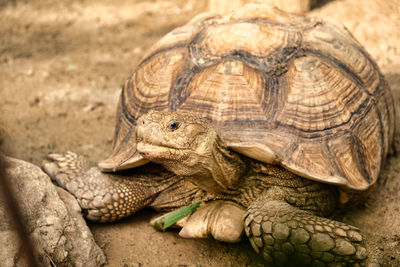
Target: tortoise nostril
141,121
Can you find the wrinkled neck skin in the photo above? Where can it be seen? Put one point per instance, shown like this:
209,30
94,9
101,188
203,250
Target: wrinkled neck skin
216,169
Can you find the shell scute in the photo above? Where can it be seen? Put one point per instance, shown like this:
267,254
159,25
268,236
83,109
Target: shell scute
149,87
370,141
304,157
265,12
260,45
344,150
319,98
338,45
225,92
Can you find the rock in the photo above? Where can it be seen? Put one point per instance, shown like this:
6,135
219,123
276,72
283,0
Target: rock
57,230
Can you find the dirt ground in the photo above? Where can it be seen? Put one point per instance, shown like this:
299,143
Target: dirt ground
61,67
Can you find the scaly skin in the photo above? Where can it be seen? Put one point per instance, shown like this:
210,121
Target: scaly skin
283,234
108,197
190,147
288,236
284,213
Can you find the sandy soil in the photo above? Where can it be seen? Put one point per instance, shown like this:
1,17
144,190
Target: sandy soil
61,67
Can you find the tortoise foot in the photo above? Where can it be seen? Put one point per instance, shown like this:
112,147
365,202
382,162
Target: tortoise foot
288,236
66,170
103,197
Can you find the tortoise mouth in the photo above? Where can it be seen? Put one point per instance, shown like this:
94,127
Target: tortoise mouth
121,161
157,151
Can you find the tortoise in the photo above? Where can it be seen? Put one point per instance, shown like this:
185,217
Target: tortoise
271,120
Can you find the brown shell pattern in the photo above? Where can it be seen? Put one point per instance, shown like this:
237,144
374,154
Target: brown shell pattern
278,87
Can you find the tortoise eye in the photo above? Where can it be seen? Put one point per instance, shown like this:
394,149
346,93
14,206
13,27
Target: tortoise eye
173,125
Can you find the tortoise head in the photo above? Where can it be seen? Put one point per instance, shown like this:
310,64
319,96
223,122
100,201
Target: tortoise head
178,141
189,146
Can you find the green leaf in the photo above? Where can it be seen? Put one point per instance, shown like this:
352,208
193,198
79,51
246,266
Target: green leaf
171,218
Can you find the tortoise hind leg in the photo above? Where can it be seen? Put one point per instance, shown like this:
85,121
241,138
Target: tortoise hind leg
288,236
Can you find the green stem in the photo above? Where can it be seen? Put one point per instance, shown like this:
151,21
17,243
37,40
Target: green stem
171,218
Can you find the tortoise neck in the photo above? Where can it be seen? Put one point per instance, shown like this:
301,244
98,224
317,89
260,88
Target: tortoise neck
221,169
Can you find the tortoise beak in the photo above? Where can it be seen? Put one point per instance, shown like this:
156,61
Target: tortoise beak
122,161
125,154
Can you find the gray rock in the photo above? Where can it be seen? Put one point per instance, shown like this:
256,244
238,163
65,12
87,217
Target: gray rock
57,230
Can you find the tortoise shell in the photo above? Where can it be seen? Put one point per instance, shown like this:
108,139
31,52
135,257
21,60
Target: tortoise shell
280,88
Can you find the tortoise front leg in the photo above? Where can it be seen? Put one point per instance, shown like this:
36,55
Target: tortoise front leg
288,236
105,197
